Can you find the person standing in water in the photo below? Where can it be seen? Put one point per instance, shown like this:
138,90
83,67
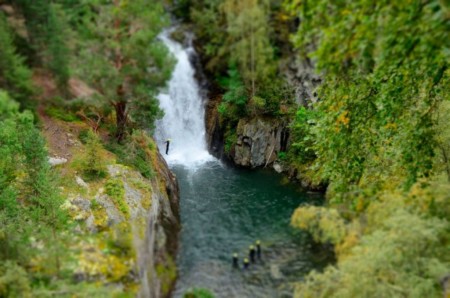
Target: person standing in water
251,253
246,263
167,146
258,249
235,260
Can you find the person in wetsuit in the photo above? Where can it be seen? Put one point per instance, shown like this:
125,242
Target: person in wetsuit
258,249
235,261
252,253
167,146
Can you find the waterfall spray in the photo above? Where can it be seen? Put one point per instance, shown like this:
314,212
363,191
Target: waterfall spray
183,122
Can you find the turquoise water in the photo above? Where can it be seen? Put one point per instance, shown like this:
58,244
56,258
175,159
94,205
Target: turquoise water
224,210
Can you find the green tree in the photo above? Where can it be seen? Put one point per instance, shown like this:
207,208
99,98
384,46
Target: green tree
125,61
385,72
93,164
248,38
48,31
234,101
15,77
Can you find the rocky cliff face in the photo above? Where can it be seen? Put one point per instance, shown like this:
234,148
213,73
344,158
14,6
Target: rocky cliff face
158,251
125,225
300,73
147,232
258,142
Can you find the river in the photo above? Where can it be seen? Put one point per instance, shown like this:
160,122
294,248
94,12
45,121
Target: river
224,210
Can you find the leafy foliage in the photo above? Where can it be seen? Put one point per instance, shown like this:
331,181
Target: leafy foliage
378,137
385,69
198,293
248,35
400,253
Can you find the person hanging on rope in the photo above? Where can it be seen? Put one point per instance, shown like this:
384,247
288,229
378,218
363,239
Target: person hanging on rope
167,146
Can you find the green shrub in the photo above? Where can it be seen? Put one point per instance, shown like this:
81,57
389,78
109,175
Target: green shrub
135,152
95,204
230,139
116,190
61,114
93,164
282,155
83,135
13,281
198,293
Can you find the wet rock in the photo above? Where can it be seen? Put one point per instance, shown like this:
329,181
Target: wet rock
277,167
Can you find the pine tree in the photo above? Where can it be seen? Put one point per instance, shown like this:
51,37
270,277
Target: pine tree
15,77
125,61
93,164
47,29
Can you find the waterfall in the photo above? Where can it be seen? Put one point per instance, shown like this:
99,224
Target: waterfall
183,122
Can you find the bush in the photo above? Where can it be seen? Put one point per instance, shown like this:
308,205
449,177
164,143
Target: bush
116,190
198,293
93,165
136,152
13,281
61,114
398,250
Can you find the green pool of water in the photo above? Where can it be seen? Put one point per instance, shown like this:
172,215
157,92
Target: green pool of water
224,210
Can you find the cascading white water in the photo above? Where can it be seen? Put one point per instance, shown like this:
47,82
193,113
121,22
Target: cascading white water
183,122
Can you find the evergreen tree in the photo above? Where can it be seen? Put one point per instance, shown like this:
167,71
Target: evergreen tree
93,164
14,74
48,32
128,62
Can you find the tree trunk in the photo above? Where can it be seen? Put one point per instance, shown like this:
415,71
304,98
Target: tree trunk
121,119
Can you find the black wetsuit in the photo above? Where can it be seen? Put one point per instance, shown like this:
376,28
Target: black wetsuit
235,262
251,254
246,264
167,147
258,251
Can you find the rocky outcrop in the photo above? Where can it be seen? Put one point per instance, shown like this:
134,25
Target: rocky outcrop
300,73
214,131
258,142
126,226
158,252
143,214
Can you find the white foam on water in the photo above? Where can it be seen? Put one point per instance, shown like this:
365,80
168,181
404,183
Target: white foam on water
184,111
